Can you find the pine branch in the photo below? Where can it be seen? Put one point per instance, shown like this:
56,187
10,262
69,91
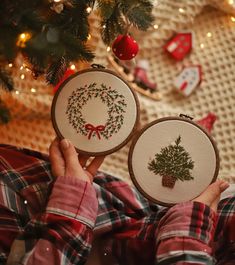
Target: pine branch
73,20
112,26
56,71
5,115
5,80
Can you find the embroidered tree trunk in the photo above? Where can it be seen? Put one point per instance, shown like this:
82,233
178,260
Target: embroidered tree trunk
168,181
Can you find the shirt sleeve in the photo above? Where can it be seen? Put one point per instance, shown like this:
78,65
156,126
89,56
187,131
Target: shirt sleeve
185,234
62,234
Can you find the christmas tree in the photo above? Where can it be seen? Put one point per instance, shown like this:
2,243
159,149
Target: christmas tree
52,33
172,163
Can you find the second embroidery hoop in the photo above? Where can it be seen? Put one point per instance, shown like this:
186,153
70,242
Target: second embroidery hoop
96,110
158,150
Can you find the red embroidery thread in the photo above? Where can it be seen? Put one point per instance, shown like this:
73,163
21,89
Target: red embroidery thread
96,129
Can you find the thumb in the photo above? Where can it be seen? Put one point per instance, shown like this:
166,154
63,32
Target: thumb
212,193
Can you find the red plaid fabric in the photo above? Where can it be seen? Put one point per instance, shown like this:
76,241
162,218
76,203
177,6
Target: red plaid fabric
53,221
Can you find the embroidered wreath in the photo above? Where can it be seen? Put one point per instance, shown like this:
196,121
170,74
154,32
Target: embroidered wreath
116,108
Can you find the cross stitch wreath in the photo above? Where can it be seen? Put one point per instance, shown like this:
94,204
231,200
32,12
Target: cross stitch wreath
116,108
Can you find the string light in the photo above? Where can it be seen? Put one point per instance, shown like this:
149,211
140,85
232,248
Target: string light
17,92
72,67
202,45
155,26
88,9
25,202
104,26
22,39
89,37
181,10
231,2
233,19
108,49
209,34
22,67
10,65
22,76
33,90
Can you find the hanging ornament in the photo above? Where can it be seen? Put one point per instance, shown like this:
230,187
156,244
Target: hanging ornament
125,47
180,45
67,73
188,79
208,121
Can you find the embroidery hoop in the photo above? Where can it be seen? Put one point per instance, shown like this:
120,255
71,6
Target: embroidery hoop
148,183
122,91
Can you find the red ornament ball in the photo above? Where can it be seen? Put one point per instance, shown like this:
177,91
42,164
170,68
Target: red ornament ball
125,47
67,73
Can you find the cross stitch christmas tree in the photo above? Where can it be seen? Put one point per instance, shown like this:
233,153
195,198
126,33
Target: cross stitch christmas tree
172,163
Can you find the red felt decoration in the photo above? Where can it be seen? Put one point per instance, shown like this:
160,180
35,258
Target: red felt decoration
208,121
125,47
180,45
67,73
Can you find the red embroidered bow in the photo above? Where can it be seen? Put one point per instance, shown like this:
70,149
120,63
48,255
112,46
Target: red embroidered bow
95,129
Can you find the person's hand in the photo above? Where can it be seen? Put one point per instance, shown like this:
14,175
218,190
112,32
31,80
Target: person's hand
211,195
66,162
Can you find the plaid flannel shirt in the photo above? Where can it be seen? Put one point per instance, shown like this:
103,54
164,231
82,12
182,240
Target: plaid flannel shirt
52,221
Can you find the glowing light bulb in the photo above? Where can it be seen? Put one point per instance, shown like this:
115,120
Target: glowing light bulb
22,76
72,67
209,34
22,67
202,45
89,37
17,92
10,65
181,10
89,9
33,90
108,49
104,26
233,19
231,2
22,39
155,26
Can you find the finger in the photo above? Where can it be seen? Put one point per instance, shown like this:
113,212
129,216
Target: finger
56,158
212,192
214,204
72,165
95,164
83,159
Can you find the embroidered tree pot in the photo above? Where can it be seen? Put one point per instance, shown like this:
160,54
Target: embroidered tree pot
172,160
96,110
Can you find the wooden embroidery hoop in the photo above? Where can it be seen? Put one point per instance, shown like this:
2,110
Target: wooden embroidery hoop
138,136
96,68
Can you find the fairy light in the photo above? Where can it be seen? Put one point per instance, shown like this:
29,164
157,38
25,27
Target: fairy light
155,26
233,19
17,92
72,67
88,9
181,10
108,49
231,2
202,45
33,90
104,26
89,37
57,1
22,39
209,34
22,76
22,67
10,65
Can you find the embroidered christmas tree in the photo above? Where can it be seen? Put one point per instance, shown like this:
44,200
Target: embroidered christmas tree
172,163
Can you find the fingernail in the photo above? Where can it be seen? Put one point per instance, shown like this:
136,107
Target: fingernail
64,143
